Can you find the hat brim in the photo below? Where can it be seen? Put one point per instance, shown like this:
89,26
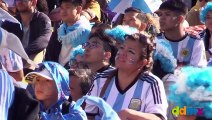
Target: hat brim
31,77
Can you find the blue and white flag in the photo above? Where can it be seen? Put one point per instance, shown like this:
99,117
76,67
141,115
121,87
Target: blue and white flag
147,6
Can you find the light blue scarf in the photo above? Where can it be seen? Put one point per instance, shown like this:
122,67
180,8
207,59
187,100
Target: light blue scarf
72,36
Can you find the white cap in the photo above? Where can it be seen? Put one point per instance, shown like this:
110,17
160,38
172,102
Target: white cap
31,77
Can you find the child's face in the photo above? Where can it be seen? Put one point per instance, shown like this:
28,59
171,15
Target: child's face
45,89
75,89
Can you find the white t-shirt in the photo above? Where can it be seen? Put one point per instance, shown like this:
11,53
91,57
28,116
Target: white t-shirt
146,94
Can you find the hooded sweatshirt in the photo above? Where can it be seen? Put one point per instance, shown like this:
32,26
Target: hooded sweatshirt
61,78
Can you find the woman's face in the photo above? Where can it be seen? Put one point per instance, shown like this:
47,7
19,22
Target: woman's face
208,21
128,55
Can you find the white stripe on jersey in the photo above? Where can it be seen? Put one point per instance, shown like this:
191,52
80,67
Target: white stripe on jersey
6,93
148,89
114,95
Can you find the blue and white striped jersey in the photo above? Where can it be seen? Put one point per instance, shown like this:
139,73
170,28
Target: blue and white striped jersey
188,51
6,93
145,94
10,60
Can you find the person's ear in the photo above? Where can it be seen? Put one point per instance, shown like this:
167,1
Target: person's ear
143,63
79,9
107,56
181,19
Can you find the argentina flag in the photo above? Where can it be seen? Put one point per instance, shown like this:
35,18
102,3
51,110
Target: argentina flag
147,6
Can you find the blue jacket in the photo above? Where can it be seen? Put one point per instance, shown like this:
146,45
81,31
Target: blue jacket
61,78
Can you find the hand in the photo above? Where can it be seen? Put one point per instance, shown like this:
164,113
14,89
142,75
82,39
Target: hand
124,114
195,30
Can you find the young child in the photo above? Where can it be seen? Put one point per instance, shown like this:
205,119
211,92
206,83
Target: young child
51,85
80,83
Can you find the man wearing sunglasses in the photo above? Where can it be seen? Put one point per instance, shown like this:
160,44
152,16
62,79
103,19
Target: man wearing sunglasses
35,32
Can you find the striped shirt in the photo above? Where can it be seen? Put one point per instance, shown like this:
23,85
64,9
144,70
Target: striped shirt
6,93
145,94
188,51
10,60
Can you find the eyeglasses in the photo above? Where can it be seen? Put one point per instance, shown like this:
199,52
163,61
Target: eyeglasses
90,45
74,64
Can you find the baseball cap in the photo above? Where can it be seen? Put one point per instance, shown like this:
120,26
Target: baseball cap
31,77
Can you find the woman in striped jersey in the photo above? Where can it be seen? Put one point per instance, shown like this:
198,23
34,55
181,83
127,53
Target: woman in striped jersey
131,89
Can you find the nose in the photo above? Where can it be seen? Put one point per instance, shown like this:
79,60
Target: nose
121,53
86,48
38,85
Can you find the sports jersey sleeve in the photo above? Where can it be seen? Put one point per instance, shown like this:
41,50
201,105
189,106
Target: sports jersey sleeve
198,57
156,102
11,61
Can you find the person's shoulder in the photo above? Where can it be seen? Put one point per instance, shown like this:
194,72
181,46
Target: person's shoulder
194,37
106,73
150,78
41,16
196,32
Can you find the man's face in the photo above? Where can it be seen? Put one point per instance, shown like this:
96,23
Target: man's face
68,12
168,20
131,19
24,5
94,51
